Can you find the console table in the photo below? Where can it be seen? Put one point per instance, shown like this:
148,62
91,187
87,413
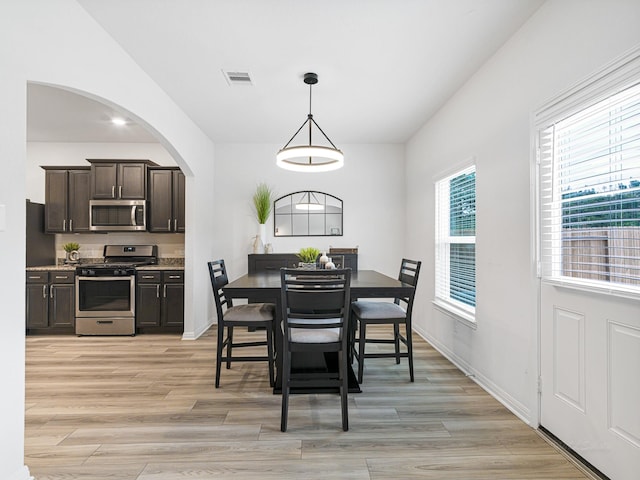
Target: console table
264,262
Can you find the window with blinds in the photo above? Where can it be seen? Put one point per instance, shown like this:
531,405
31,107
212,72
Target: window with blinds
456,240
589,174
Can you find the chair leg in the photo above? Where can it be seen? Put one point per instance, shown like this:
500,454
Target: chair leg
410,350
361,341
344,390
396,340
229,344
220,329
286,366
270,354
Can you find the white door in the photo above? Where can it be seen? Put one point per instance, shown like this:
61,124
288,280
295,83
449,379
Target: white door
590,369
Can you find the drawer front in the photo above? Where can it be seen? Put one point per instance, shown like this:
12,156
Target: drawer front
62,277
149,277
37,277
173,276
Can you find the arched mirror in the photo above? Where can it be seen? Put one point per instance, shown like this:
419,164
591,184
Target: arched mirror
307,213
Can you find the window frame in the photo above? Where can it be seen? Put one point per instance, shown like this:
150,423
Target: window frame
442,258
619,75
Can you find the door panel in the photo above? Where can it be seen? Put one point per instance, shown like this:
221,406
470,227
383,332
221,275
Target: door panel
590,387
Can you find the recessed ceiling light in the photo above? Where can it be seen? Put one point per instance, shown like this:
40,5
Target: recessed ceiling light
118,121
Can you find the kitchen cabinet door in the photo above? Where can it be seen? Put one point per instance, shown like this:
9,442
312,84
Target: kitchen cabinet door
37,308
79,193
160,219
173,305
132,181
61,305
148,305
179,196
166,200
56,198
104,180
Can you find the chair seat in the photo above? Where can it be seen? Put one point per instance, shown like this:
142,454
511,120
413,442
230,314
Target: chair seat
251,312
378,310
316,335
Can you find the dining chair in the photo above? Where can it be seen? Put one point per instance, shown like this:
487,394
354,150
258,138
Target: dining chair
365,312
315,319
245,315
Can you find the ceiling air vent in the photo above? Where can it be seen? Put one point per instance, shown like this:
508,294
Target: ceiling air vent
237,78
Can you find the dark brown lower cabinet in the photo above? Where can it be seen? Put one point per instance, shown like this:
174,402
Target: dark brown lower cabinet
160,301
50,304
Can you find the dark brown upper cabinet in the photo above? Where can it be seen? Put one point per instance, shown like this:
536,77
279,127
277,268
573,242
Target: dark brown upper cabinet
67,191
166,197
119,179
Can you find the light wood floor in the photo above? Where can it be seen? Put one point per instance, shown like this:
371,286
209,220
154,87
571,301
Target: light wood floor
144,408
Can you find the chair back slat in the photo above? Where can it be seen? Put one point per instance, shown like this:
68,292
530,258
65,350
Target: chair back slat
219,278
409,272
315,299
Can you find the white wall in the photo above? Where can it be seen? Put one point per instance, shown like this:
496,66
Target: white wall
371,185
489,119
56,42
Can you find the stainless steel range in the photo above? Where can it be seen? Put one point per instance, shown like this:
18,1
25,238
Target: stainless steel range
106,292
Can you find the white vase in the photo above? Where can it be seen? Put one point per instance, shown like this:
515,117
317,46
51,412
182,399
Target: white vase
262,233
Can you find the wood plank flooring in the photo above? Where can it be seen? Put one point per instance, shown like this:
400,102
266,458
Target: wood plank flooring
144,408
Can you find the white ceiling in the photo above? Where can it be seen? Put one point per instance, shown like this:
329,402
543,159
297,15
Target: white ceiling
384,66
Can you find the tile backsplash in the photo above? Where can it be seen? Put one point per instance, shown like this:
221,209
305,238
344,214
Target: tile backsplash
170,245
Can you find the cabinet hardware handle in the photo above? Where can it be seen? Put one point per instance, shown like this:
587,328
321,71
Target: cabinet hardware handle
51,291
165,291
120,191
169,224
113,191
34,276
104,322
71,225
175,224
44,291
174,276
62,277
64,225
147,276
158,291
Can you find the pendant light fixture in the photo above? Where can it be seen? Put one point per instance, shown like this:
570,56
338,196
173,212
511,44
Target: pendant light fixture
310,158
311,203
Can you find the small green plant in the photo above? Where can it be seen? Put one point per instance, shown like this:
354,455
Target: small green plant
71,246
308,255
262,202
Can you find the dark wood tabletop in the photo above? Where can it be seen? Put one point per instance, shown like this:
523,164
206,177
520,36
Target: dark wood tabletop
364,283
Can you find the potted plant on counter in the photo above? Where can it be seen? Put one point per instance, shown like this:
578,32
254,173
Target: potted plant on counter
71,249
262,202
308,257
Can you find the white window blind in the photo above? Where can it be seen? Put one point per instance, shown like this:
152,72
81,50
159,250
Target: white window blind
456,240
589,186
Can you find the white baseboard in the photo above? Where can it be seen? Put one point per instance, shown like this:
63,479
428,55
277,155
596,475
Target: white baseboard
22,474
197,334
516,407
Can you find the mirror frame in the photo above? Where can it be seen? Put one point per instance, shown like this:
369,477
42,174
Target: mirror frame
291,215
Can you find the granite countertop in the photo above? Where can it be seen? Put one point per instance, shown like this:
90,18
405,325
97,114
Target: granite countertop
163,264
43,268
160,267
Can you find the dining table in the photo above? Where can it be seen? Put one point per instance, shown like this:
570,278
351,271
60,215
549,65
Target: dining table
265,287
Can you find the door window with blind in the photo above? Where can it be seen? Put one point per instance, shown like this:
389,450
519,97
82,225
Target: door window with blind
456,242
589,171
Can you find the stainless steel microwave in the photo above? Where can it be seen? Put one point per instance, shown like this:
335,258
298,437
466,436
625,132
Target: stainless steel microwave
117,215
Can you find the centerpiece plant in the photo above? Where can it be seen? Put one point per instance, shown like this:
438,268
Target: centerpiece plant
308,255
